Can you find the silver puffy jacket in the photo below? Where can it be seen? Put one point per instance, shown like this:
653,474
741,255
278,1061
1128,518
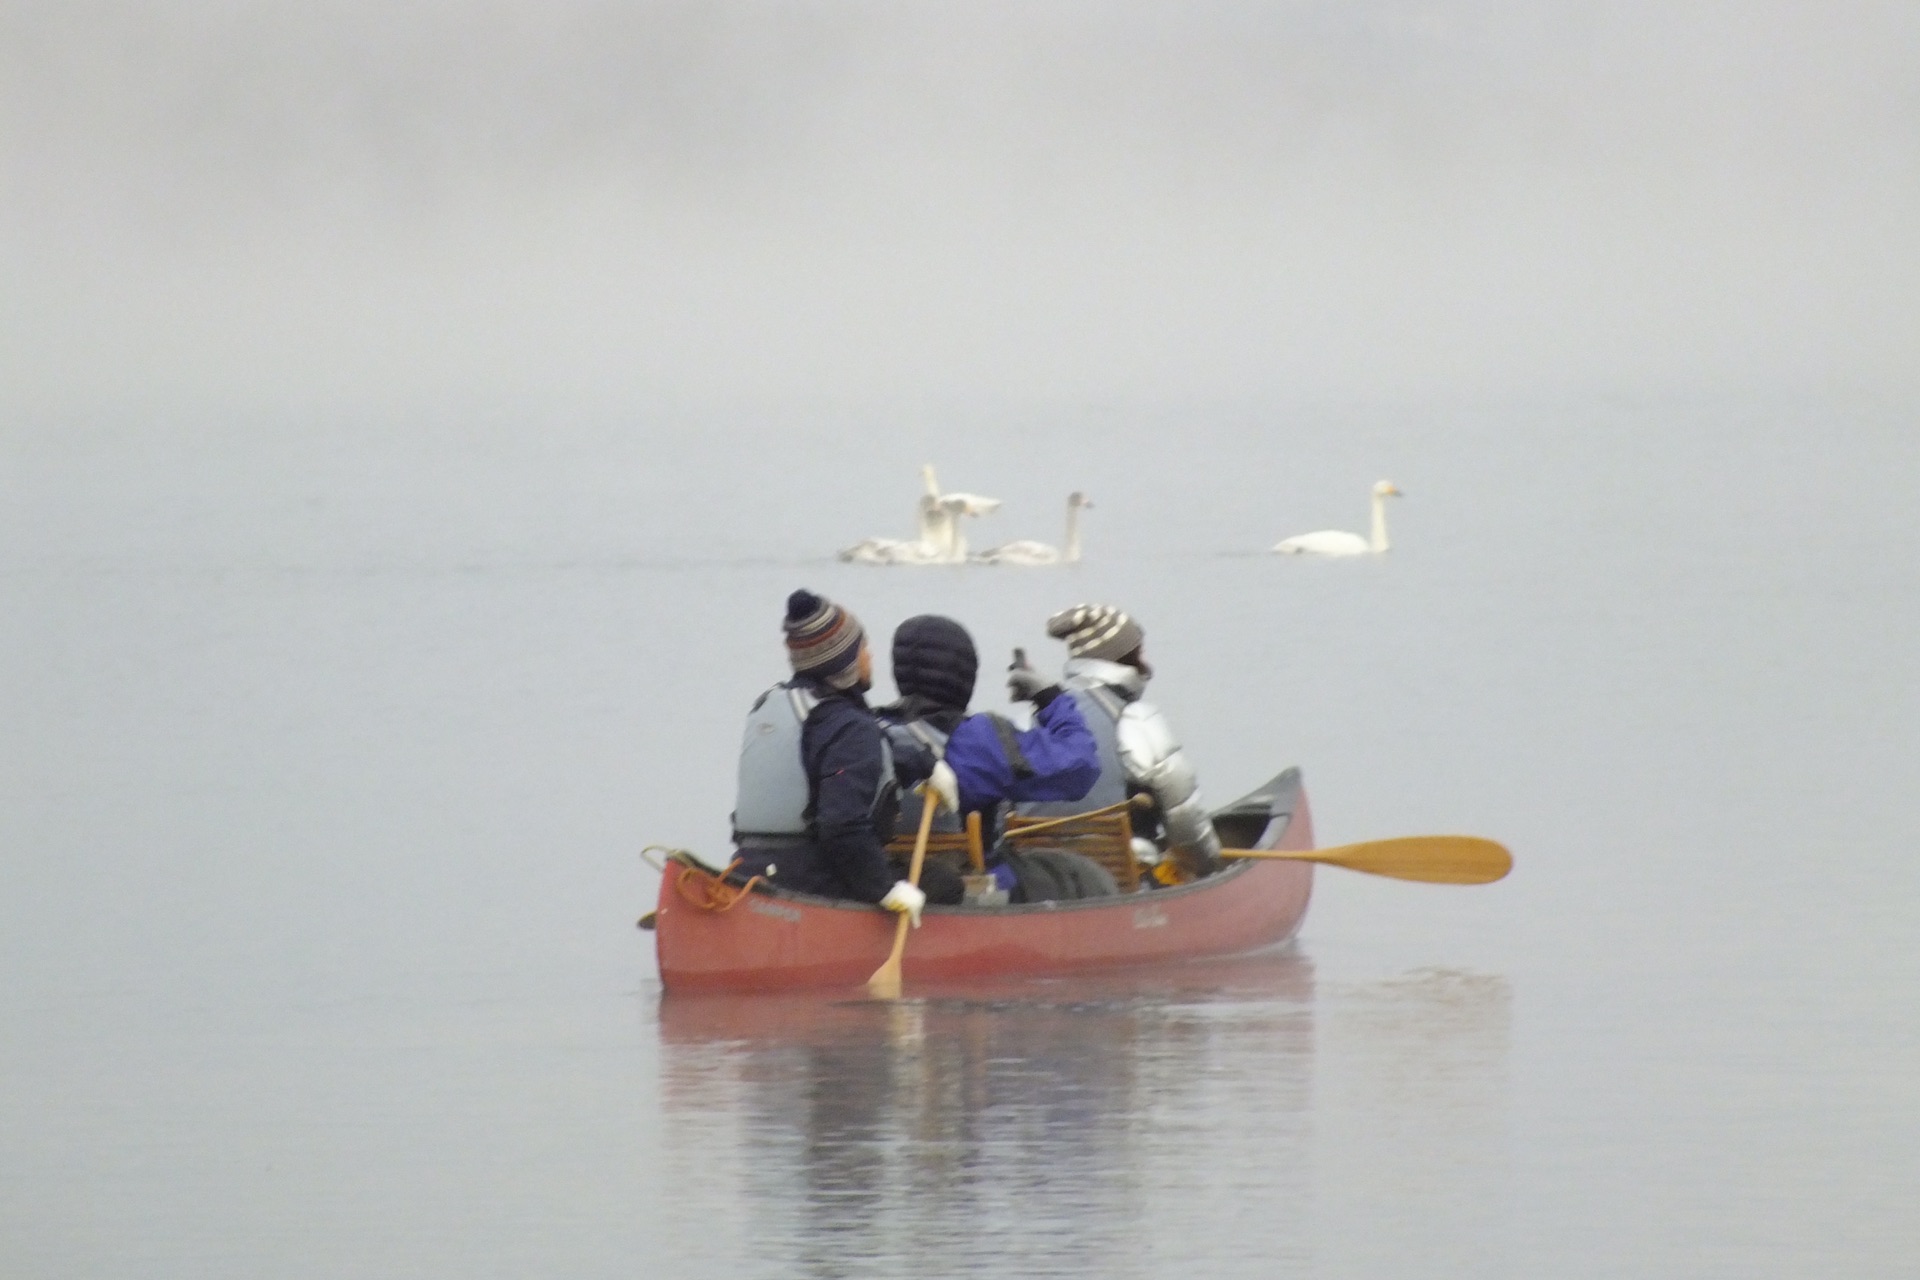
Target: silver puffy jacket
1151,757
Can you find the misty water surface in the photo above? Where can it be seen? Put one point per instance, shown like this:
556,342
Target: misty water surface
412,418
330,768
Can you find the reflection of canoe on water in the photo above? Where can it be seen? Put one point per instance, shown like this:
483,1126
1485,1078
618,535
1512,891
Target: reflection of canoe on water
1262,986
774,939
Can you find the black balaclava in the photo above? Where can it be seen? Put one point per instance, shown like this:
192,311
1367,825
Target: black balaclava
934,665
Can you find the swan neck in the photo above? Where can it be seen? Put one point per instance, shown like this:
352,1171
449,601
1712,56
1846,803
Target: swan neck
931,526
1072,554
938,530
1379,539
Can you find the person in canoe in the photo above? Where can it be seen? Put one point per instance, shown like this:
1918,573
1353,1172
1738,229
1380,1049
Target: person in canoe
817,794
993,762
1106,674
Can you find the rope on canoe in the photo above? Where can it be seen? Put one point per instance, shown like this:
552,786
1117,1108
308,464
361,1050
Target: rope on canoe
708,891
713,893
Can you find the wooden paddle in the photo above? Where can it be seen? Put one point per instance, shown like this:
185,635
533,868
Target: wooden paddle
1142,801
885,982
1433,859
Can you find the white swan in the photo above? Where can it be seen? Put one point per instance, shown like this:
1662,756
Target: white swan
940,540
895,551
962,504
1039,553
1334,542
940,515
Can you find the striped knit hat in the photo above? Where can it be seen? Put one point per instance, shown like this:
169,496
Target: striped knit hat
823,640
1096,631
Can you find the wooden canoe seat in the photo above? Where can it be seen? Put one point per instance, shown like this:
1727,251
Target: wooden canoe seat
1106,838
967,842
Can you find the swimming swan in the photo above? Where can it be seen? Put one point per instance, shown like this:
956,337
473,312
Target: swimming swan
1039,553
959,504
1334,542
940,540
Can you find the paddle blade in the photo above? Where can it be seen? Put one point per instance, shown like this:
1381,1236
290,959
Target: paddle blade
885,982
1430,859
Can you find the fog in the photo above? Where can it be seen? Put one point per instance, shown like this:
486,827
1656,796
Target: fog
413,417
340,205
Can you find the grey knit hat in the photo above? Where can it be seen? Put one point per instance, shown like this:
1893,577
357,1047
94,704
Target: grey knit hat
1096,631
823,640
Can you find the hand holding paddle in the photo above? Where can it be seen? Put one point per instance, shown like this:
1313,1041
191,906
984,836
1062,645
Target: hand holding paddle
885,982
1432,859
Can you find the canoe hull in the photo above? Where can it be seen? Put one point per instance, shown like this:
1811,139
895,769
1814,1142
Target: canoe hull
785,941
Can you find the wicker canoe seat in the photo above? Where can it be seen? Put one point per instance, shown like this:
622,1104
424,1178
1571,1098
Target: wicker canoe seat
1105,838
938,842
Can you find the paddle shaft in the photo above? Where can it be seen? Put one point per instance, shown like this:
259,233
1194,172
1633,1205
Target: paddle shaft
1021,833
1430,859
886,979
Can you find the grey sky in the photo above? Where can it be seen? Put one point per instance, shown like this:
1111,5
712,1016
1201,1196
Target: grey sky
618,204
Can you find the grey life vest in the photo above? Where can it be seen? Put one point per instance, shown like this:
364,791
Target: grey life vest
771,802
1101,709
912,736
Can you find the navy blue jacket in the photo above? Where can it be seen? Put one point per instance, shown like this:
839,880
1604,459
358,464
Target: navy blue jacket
845,855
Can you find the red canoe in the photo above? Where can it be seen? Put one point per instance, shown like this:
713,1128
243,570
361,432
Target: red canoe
772,940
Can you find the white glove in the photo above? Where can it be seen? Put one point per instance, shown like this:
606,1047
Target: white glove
1022,680
942,784
907,898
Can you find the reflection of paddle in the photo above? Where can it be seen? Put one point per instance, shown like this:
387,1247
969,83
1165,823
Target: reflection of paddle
885,981
1434,859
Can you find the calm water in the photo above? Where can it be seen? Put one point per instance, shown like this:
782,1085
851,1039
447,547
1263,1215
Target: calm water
330,751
